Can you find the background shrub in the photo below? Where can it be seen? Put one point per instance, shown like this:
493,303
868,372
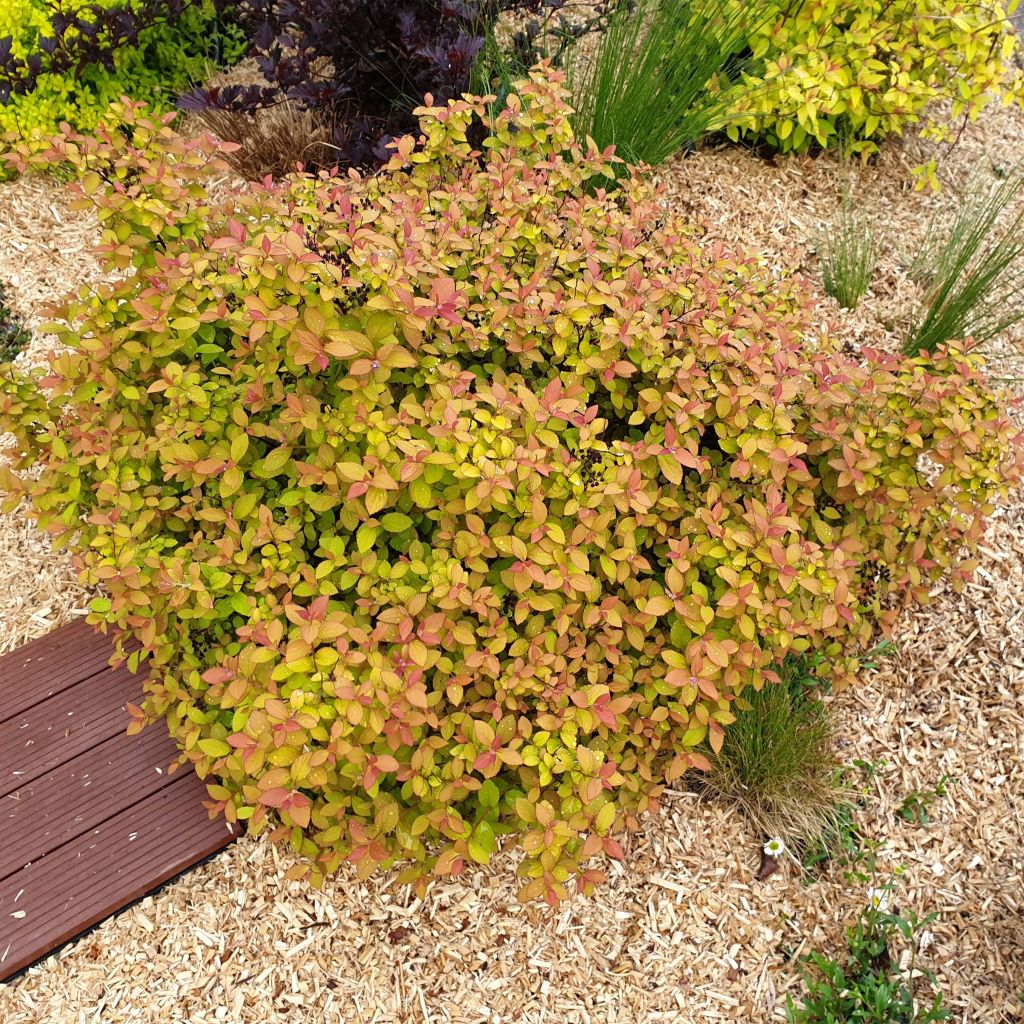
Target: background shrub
832,71
462,501
69,60
359,67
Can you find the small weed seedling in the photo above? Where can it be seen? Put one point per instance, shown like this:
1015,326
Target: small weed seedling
915,806
868,985
871,769
873,659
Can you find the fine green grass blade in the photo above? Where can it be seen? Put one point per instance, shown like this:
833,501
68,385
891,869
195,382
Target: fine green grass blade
657,80
777,761
848,254
975,273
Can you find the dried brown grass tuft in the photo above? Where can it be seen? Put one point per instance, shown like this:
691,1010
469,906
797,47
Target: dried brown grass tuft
273,141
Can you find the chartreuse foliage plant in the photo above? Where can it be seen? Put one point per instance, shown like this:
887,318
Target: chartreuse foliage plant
69,60
458,505
832,71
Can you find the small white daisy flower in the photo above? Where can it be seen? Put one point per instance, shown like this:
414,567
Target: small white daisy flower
774,848
878,899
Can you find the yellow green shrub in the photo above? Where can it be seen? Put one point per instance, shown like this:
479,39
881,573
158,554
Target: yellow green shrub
460,505
831,71
168,57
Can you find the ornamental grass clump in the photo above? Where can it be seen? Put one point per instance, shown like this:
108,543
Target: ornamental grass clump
778,761
848,251
653,84
457,505
972,270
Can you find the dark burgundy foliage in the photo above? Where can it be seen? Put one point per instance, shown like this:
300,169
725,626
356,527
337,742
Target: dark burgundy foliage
366,64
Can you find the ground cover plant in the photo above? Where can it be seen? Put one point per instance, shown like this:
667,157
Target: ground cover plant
14,337
69,60
467,501
872,984
832,72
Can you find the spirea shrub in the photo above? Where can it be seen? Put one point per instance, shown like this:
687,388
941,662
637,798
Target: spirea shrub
465,501
834,72
69,60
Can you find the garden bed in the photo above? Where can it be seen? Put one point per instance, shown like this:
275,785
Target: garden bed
689,933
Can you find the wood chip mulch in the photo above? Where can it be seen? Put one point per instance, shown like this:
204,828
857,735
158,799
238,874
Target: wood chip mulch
688,934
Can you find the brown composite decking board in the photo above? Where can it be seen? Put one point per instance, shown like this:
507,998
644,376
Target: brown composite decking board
90,818
68,654
77,796
64,725
130,855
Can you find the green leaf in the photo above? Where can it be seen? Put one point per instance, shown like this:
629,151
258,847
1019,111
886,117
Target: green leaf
365,536
605,818
214,748
380,326
277,460
245,505
396,522
482,842
420,492
693,736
